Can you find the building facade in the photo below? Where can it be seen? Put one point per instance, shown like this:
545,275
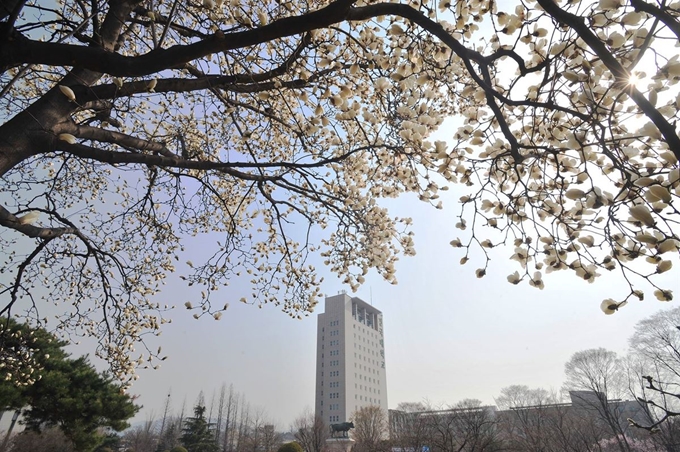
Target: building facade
350,359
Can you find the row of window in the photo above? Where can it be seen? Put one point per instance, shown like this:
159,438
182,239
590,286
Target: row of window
335,352
334,395
366,368
335,406
335,323
333,384
368,399
366,388
333,418
363,377
335,342
335,333
365,330
363,339
365,358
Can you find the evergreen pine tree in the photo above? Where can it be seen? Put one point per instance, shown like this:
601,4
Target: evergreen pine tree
198,435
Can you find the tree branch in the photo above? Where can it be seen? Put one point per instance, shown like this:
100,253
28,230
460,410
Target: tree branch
96,59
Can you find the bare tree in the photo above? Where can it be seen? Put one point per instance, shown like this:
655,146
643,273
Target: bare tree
528,418
370,429
271,439
142,438
310,431
596,380
467,426
653,367
230,426
409,429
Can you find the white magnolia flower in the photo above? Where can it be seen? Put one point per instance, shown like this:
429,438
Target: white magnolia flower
610,306
537,281
68,92
574,194
667,245
514,278
663,295
642,214
67,137
661,193
29,218
663,266
607,5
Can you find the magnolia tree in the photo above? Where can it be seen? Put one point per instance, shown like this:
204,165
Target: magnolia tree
277,126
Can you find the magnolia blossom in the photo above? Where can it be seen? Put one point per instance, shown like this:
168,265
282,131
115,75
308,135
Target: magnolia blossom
514,278
68,92
67,137
610,306
29,218
663,295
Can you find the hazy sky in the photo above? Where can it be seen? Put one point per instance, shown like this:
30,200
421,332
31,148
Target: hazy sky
448,335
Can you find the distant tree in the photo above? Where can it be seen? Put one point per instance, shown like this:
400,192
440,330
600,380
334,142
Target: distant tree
597,377
110,443
292,446
198,434
230,425
370,429
527,421
655,363
409,428
141,438
310,431
466,426
170,436
49,440
653,366
635,445
178,449
270,437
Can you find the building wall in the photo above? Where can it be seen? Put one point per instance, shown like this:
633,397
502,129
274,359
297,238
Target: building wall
350,359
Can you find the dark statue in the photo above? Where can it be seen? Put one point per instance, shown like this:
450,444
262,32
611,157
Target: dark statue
342,427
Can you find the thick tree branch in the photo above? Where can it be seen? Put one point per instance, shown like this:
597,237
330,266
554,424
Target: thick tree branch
123,140
99,60
11,221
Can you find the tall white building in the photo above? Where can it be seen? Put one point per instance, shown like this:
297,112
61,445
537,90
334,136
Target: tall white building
350,359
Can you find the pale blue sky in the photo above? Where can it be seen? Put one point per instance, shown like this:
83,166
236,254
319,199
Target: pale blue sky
448,334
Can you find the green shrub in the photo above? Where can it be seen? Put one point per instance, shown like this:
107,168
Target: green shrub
290,447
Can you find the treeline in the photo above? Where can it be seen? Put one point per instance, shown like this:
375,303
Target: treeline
608,403
233,426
